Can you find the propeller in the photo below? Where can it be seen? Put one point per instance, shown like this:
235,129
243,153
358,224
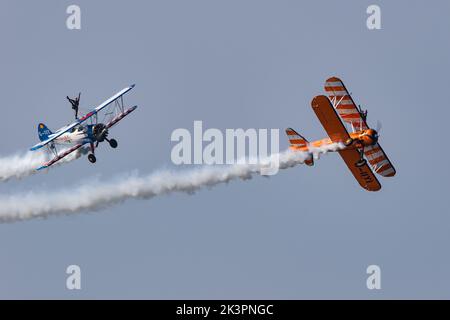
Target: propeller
363,115
379,126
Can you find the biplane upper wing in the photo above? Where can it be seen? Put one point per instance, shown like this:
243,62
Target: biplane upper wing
379,161
337,133
82,119
106,103
345,106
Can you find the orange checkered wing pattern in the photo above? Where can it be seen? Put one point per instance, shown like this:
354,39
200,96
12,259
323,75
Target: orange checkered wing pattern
344,104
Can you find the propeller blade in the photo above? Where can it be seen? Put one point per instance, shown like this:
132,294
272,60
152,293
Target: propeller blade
379,126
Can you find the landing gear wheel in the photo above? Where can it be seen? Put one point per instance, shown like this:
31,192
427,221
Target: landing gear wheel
361,163
348,142
113,143
92,158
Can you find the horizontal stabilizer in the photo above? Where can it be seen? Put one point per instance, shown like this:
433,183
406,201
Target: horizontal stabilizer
295,139
297,142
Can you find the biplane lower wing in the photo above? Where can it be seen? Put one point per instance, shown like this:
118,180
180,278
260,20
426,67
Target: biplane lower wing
60,156
363,174
336,131
120,116
379,160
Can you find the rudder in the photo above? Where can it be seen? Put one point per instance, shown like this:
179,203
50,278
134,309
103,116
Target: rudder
43,132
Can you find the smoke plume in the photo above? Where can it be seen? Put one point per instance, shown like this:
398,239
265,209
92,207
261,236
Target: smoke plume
22,165
98,195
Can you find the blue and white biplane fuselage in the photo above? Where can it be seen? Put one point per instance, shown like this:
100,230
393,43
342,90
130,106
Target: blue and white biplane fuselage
78,133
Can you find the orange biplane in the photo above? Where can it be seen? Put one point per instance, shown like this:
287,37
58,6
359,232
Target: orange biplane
362,142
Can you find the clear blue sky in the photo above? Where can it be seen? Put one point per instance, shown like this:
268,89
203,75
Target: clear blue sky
304,233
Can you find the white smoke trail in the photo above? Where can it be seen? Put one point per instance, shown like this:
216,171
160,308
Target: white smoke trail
22,165
97,195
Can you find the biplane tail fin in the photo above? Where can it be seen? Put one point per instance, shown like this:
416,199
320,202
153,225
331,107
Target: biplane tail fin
43,132
297,142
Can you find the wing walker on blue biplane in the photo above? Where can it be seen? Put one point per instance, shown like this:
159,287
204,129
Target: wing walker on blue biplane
84,130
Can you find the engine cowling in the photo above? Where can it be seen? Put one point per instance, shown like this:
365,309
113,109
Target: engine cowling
369,137
100,132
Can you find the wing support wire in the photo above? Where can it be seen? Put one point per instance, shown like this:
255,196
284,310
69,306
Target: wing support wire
116,110
333,101
51,147
337,103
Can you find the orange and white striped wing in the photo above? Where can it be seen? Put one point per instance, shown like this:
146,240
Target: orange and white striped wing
344,104
379,161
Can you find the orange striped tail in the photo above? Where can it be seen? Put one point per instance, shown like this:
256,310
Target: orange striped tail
298,142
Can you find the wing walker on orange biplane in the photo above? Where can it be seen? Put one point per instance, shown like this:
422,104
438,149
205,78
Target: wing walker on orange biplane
360,144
